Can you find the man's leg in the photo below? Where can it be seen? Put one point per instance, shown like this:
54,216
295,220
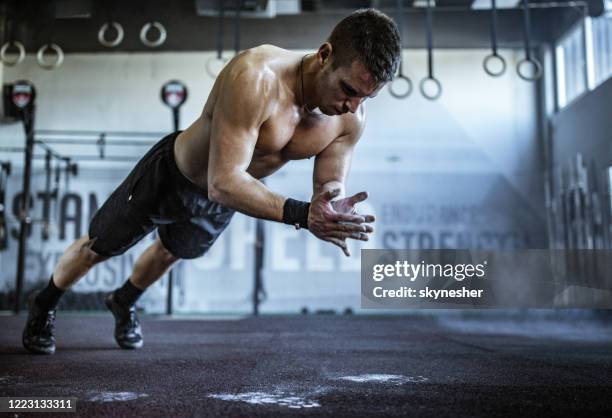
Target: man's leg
150,267
76,261
122,221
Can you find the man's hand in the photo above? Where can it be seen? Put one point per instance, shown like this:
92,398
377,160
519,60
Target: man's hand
335,221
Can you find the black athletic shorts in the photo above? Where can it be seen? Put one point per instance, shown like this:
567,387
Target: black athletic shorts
157,194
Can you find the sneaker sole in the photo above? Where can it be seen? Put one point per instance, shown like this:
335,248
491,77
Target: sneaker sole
37,349
130,346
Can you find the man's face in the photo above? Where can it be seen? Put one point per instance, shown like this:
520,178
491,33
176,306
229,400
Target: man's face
342,90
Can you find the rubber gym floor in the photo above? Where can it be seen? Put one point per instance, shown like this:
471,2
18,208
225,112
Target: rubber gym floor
419,366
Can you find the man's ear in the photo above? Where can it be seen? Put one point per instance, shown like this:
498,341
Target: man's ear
324,53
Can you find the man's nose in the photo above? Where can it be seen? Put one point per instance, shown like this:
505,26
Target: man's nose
353,103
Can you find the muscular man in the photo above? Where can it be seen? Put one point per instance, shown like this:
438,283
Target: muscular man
268,106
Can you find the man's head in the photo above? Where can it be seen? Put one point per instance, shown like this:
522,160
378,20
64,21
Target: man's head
360,56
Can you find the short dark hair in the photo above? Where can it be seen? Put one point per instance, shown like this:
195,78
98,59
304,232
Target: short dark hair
372,37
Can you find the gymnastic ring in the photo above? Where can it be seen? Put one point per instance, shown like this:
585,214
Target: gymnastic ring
213,71
102,34
491,58
536,65
20,55
40,56
162,34
394,92
436,83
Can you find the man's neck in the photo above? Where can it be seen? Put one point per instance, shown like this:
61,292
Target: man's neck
305,84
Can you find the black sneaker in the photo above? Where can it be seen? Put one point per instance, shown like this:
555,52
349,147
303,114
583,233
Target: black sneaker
128,333
38,335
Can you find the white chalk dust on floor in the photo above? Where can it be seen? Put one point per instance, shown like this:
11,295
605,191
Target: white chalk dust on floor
263,398
115,396
9,379
394,379
289,398
12,381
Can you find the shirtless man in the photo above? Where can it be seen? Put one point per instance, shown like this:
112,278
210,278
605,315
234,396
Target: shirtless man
268,106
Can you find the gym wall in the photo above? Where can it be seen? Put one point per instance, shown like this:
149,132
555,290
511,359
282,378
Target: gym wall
585,127
461,171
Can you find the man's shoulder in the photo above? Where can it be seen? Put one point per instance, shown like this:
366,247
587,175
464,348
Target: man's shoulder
354,123
257,59
267,50
251,69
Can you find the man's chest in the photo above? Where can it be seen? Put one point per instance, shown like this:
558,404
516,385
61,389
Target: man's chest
289,137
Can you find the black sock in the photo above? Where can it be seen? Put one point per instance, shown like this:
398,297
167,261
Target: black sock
49,297
128,294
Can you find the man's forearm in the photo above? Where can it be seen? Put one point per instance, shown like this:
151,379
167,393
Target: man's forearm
329,186
249,196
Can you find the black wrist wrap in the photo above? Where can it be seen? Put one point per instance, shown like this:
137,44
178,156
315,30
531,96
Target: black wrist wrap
295,212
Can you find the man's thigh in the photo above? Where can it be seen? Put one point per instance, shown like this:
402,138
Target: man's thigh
126,216
116,227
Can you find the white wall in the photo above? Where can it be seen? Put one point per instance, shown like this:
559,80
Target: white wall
473,151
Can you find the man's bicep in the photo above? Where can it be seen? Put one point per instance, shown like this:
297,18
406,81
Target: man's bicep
333,163
236,121
231,145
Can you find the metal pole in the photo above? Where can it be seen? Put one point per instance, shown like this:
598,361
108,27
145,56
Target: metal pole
258,265
84,141
96,134
24,215
169,300
175,119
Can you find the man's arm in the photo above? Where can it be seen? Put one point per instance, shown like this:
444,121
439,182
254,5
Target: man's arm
333,164
245,102
331,169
